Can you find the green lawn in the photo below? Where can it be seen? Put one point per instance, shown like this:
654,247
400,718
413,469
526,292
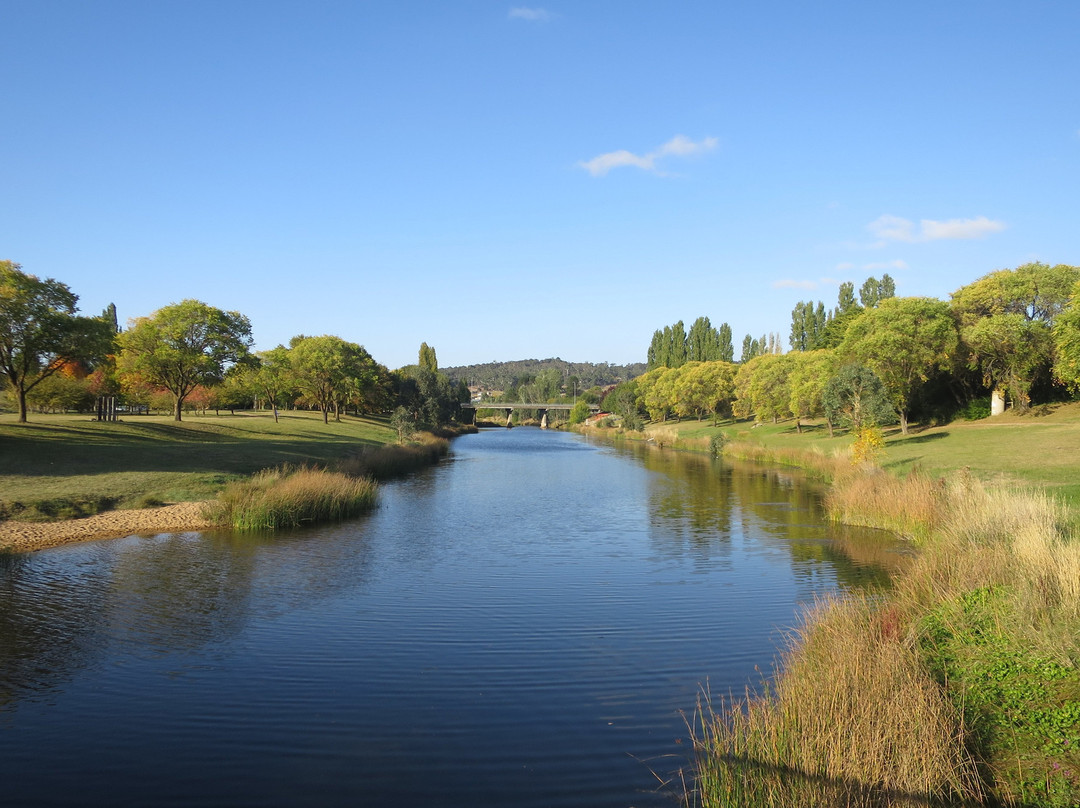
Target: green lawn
143,459
1041,448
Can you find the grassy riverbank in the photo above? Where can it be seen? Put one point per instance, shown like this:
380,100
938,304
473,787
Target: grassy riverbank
1039,449
960,686
69,466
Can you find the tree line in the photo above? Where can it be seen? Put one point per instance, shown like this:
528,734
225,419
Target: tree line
503,375
191,353
1012,335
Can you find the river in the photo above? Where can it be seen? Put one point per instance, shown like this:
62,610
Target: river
528,623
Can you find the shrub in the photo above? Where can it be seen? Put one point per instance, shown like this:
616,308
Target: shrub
976,409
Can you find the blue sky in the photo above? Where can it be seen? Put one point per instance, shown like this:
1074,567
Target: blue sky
509,181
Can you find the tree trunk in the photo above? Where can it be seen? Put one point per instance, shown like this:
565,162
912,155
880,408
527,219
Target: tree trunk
997,402
903,422
22,405
178,408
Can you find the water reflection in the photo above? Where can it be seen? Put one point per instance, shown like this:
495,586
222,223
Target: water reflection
521,624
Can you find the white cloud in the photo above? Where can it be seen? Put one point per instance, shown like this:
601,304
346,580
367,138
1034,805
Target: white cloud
844,267
960,228
599,166
682,146
894,228
530,14
897,264
678,146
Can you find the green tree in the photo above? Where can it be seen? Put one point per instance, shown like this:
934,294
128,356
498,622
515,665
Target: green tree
807,324
874,291
718,382
702,341
655,393
579,413
856,398
678,345
1007,323
40,334
271,377
183,345
427,359
845,299
809,373
623,401
331,373
1067,343
403,421
1010,350
748,349
61,392
903,341
762,389
727,349
657,354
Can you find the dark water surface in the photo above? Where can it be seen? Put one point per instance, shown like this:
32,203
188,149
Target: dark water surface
525,624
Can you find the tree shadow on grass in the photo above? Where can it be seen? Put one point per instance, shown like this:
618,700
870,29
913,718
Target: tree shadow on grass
924,438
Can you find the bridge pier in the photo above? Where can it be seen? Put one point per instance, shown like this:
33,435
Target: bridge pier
509,417
543,419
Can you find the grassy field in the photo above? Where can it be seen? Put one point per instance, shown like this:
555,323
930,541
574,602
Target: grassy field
70,465
1039,449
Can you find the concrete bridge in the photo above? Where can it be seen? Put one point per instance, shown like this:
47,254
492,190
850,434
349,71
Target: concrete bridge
510,406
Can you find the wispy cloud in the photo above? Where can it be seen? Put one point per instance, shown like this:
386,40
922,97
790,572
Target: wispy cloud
788,283
894,228
897,264
678,146
529,14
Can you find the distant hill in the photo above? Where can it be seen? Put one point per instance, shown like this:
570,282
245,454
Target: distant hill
501,375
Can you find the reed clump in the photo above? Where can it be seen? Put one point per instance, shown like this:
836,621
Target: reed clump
390,461
961,685
855,719
289,497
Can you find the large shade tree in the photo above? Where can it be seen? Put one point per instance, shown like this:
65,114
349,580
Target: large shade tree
331,373
40,333
182,346
904,340
1006,322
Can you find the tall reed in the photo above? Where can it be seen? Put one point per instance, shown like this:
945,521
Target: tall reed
854,720
396,460
940,689
289,497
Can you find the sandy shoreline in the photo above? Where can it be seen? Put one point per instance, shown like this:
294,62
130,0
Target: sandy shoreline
179,518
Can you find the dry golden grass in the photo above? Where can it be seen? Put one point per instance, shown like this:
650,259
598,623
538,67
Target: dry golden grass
856,716
853,720
394,460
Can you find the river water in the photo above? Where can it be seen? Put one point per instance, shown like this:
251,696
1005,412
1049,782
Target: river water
529,623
